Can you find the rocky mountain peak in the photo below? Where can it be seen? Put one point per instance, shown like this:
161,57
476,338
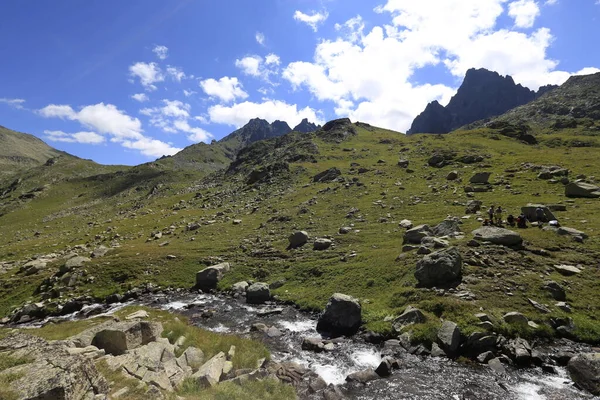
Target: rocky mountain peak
306,127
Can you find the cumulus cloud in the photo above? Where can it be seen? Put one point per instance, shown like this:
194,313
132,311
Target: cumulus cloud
173,117
272,59
175,73
524,12
15,103
141,97
108,119
369,75
225,89
257,67
313,20
147,73
162,52
188,93
260,38
79,137
239,114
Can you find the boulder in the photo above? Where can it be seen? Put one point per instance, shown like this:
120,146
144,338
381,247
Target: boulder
342,316
208,278
100,252
452,176
298,239
344,230
322,244
406,224
240,287
530,212
118,337
403,163
449,227
363,377
193,358
258,293
449,338
574,233
385,367
473,206
567,270
441,268
515,318
76,262
481,178
416,234
327,176
519,350
210,373
584,369
582,189
410,316
498,236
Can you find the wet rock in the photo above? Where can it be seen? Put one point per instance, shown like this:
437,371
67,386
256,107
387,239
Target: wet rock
515,318
485,357
519,350
584,369
316,385
449,338
496,365
258,293
385,367
441,268
342,316
562,358
479,342
556,291
499,236
416,234
298,239
480,178
114,298
208,278
582,190
363,377
322,244
410,316
240,287
315,344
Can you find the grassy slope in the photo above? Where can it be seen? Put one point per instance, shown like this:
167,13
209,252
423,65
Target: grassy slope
384,283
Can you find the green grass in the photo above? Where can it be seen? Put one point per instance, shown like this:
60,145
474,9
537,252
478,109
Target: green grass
267,389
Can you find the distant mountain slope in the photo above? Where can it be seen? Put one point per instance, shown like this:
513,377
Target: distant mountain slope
483,94
20,151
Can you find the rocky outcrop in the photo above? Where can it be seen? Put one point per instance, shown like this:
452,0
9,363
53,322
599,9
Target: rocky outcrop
49,370
327,176
483,94
441,268
582,189
306,127
208,278
530,212
342,316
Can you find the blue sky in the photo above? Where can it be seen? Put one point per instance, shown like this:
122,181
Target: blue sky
124,82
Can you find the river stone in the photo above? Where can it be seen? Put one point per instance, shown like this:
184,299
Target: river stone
240,287
416,234
410,316
342,316
582,189
584,369
480,342
322,244
498,236
480,178
52,373
440,268
496,365
520,351
209,374
567,270
449,337
530,212
515,318
385,367
298,239
258,293
208,278
556,291
363,377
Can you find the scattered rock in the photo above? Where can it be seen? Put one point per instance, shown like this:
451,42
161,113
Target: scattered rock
556,291
567,270
452,176
416,234
480,178
258,293
406,224
498,236
298,239
515,318
444,267
363,377
342,316
449,338
582,189
209,374
208,278
410,316
240,287
322,244
327,176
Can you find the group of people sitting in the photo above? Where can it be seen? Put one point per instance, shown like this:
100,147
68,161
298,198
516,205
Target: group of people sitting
495,217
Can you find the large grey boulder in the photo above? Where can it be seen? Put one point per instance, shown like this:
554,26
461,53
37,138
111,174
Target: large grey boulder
582,189
449,338
448,227
322,244
342,316
76,262
440,268
584,369
480,178
208,278
530,211
515,318
498,236
298,239
410,316
210,373
52,371
556,291
416,234
119,337
258,293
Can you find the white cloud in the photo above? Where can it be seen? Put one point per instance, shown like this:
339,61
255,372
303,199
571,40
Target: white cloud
272,59
195,134
239,114
79,137
141,97
108,119
551,2
148,74
162,52
369,75
175,73
313,20
587,70
173,117
226,89
524,12
15,103
188,93
260,38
